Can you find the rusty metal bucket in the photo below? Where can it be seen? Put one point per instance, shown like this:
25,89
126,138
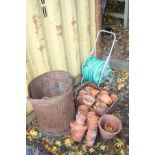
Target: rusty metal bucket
51,95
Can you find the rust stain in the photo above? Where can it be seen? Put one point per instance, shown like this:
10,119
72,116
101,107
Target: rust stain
74,24
37,22
41,47
59,29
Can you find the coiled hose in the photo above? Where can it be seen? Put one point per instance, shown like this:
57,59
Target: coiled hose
92,68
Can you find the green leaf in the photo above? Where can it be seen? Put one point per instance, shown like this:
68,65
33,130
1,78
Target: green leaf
71,153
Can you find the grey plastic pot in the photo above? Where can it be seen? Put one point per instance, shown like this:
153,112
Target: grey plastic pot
114,121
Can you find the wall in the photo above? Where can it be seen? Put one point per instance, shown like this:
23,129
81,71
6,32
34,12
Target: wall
63,39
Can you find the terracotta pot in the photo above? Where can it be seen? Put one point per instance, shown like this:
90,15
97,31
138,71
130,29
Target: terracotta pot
77,137
83,92
93,119
101,108
83,109
80,119
90,143
93,127
88,100
104,92
88,89
106,99
114,97
91,113
115,123
75,127
91,133
98,96
101,111
79,98
102,105
90,138
94,92
77,132
98,102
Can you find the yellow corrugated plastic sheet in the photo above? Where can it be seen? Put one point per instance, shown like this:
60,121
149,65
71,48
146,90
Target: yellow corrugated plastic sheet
60,41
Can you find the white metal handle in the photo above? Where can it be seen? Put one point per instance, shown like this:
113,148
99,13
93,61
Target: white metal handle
94,48
108,58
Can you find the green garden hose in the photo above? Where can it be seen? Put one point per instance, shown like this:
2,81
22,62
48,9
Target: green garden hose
95,70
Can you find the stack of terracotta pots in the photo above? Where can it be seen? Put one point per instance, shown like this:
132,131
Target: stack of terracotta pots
100,98
79,127
89,121
92,121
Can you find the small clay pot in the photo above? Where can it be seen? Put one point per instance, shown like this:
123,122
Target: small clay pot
88,89
106,99
101,111
92,132
104,92
90,138
114,97
80,119
83,92
75,127
93,127
98,102
77,132
102,105
98,96
94,92
90,114
93,119
83,109
90,143
88,100
114,121
77,137
79,98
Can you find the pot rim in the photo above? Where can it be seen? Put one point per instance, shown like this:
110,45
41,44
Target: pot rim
87,102
102,129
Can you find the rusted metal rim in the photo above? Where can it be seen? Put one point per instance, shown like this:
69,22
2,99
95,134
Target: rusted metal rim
51,73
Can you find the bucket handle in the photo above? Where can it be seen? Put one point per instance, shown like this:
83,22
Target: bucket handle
108,58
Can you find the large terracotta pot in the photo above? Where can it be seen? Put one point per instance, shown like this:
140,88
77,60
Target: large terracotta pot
83,109
80,119
114,122
77,132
